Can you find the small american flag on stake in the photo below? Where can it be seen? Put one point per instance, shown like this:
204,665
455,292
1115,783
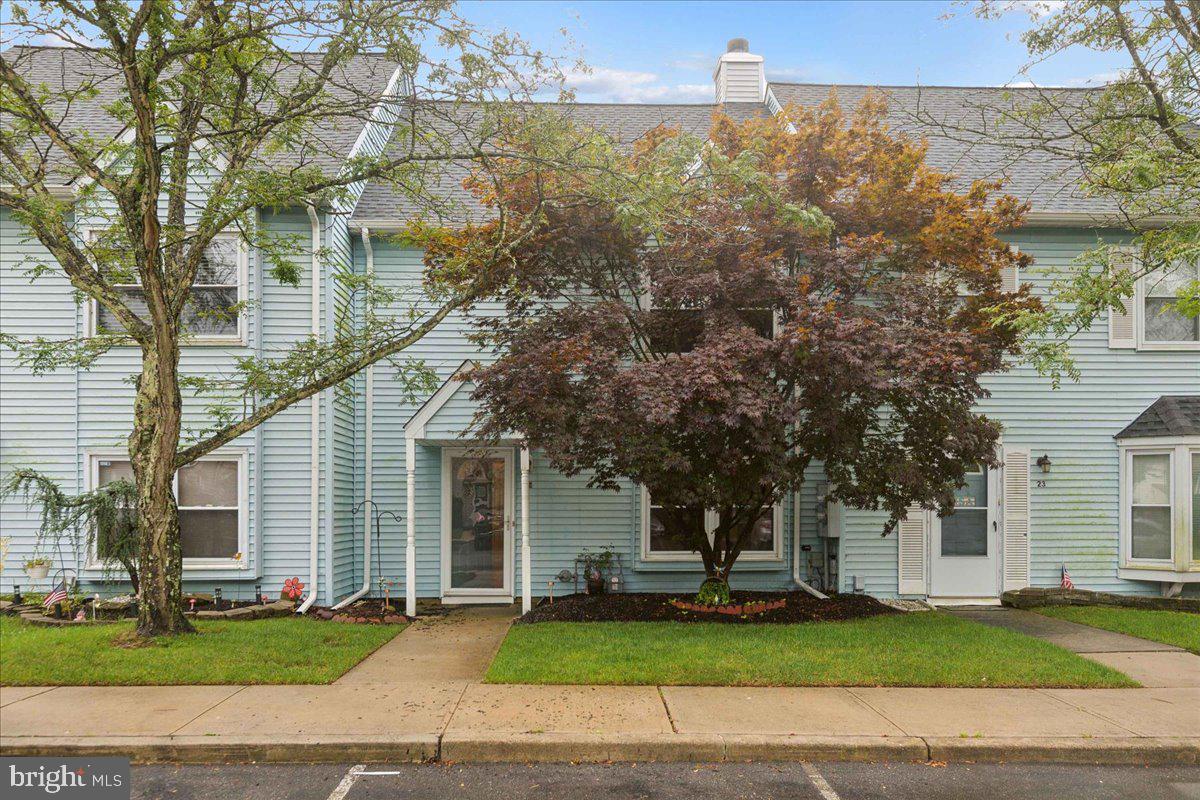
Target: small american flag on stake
1066,579
56,596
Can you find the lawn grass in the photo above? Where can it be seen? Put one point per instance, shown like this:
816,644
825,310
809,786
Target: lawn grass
280,650
1179,628
922,649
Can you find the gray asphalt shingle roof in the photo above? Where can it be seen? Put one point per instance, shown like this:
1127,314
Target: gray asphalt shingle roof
443,195
1049,182
354,88
953,119
1169,415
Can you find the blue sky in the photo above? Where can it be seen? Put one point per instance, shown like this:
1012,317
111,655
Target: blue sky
665,51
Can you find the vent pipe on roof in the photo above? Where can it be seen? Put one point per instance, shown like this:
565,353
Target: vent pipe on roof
739,75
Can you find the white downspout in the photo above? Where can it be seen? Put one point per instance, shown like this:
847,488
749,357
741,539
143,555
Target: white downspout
796,551
526,578
369,455
410,547
314,506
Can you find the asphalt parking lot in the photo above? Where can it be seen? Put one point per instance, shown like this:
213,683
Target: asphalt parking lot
759,781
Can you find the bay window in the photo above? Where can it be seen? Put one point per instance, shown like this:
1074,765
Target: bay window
1160,506
764,542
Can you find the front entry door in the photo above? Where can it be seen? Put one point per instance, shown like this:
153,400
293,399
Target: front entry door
965,544
477,522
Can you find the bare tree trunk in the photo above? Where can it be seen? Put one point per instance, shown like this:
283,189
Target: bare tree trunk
152,447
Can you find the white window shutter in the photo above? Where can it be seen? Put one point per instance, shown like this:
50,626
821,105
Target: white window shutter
1010,276
1122,323
910,552
1016,518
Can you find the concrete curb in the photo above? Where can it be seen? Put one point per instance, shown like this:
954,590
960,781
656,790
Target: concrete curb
766,747
583,747
1102,750
232,749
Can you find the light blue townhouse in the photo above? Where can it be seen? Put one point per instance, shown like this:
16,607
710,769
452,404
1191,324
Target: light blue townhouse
1100,475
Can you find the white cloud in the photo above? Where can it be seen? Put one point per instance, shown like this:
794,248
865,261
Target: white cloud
1037,8
604,84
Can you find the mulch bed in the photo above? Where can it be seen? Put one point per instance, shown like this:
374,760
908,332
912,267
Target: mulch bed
368,611
657,607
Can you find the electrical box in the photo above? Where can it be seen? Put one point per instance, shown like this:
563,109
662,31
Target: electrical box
829,514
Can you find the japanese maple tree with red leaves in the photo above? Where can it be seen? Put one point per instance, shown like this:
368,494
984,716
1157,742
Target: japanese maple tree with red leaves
709,319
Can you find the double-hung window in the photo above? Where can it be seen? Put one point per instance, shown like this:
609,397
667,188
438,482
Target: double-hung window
1160,505
1152,319
658,544
212,311
1163,323
212,498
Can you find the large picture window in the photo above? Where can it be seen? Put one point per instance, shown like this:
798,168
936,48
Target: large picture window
212,506
212,309
658,544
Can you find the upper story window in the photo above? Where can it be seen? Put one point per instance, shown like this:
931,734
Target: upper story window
212,501
1163,322
211,314
659,544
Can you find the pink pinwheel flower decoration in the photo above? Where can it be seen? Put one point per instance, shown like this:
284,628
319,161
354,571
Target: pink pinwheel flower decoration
293,588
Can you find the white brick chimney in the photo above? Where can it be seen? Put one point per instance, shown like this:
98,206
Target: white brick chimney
739,75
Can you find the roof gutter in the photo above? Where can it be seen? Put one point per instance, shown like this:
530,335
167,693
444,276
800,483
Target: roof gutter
1087,219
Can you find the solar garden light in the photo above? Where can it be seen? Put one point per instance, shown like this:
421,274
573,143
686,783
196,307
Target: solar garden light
17,595
258,595
217,598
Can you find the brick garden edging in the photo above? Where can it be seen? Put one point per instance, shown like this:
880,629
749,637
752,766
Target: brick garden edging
1033,598
33,614
732,609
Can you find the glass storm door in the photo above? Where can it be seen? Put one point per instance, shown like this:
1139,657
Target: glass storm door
477,517
965,544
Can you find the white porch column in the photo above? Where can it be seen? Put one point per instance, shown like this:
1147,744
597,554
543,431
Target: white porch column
526,578
410,548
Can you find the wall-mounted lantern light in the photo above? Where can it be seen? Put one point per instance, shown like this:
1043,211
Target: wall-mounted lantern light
1044,463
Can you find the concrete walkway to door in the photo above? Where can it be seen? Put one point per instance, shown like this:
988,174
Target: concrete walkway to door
453,643
1152,664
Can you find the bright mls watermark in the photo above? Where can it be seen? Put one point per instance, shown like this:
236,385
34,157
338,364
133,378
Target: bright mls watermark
84,778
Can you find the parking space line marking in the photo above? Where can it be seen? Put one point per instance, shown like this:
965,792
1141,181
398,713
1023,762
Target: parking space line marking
343,788
818,780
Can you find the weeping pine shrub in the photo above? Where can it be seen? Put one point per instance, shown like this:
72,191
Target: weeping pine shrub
102,520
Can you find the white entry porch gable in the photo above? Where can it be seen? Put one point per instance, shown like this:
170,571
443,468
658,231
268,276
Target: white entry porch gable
444,421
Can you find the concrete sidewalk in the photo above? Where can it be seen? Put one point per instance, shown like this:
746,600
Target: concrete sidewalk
465,721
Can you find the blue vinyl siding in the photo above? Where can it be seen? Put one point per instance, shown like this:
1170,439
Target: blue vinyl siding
1074,518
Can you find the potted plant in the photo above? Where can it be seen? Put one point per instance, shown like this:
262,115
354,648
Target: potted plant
594,566
37,568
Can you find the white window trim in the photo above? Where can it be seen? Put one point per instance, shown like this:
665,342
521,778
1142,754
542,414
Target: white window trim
91,314
710,524
1139,313
1180,450
92,458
